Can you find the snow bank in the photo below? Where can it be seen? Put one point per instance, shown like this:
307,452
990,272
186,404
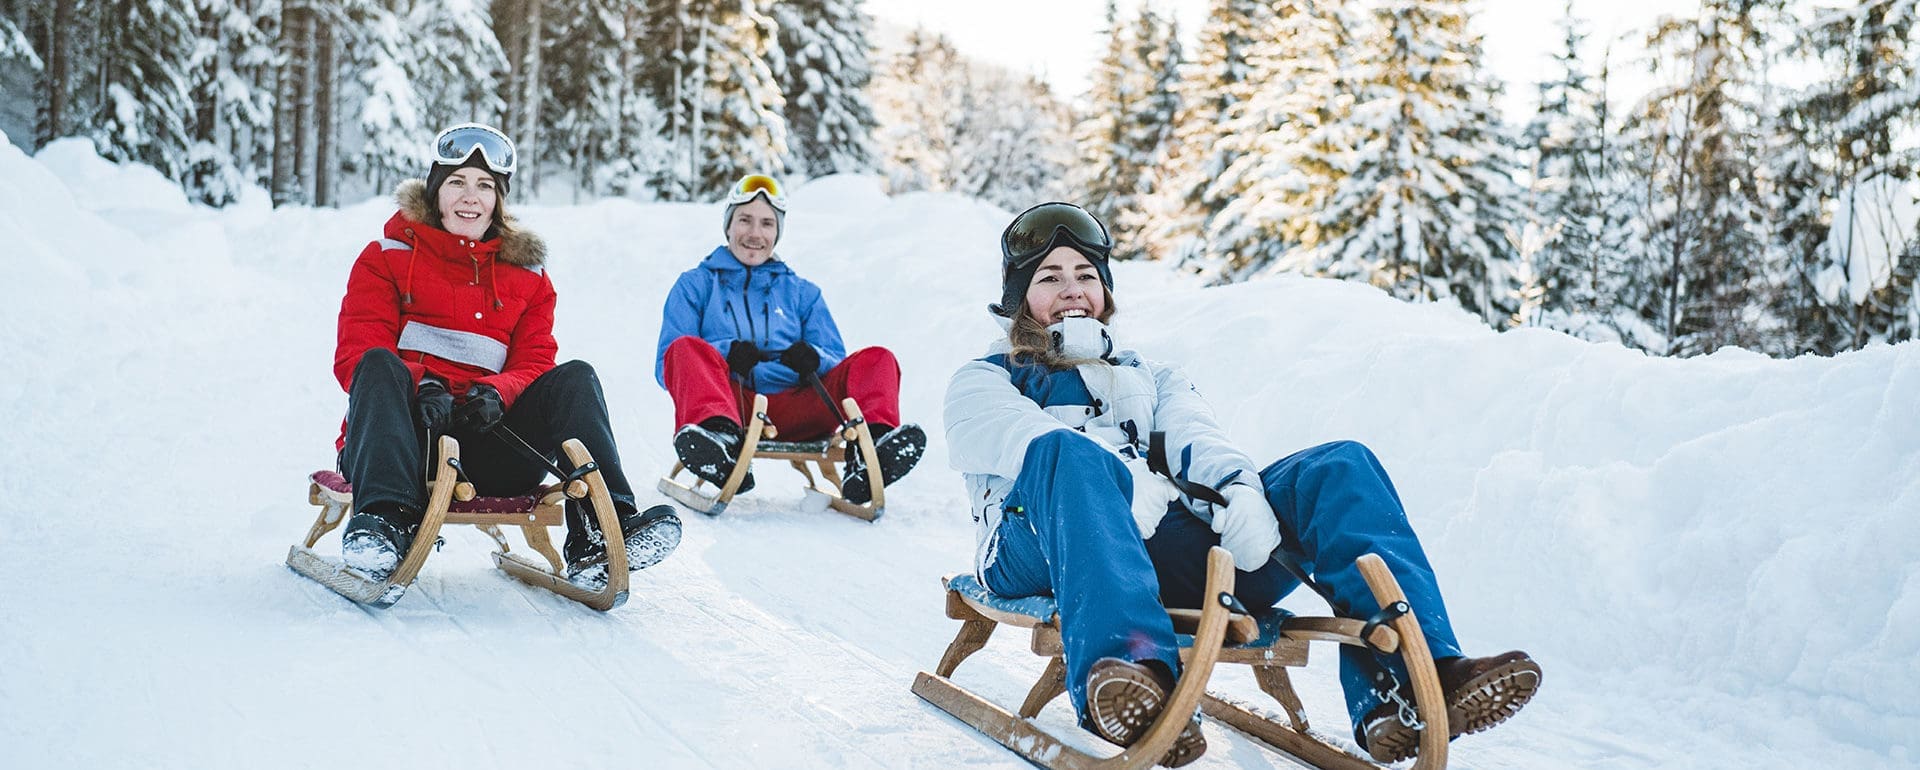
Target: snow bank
1714,558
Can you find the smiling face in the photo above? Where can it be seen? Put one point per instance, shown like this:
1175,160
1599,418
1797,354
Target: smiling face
1066,284
467,200
752,231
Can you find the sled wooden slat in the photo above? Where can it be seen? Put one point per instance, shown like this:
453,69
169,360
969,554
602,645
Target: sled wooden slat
805,456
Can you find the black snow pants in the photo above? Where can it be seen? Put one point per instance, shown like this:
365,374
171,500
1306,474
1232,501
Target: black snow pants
386,461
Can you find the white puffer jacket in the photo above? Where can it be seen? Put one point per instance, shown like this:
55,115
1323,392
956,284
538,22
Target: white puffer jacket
992,412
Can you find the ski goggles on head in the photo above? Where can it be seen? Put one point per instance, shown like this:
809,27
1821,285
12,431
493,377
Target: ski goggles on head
758,184
1048,226
457,144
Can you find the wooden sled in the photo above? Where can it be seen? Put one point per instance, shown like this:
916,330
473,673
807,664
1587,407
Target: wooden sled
1029,740
452,501
758,444
1268,643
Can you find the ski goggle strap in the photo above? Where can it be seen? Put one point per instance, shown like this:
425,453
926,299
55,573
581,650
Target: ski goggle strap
455,145
1043,228
758,184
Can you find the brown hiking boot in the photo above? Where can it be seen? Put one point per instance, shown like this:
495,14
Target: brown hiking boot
1481,693
1124,697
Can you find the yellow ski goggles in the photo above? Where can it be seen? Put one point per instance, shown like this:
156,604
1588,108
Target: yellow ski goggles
758,184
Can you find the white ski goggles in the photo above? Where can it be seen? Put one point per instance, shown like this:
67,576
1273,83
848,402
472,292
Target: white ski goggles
758,184
456,145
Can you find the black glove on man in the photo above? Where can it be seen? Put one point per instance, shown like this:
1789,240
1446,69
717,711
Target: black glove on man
802,359
742,357
483,410
433,405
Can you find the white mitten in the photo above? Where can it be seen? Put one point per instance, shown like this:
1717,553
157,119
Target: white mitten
1247,527
1152,493
1081,338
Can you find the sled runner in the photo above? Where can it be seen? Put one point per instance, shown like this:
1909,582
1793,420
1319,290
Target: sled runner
758,444
1269,642
452,501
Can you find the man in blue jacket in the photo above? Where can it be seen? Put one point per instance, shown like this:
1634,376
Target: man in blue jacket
742,323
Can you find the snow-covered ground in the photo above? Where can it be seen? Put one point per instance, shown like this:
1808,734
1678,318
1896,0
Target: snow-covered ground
1716,560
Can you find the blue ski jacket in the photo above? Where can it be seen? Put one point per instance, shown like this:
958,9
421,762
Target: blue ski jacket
723,300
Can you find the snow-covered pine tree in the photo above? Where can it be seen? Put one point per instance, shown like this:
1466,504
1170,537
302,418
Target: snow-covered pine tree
951,124
1570,185
1852,283
1013,142
234,104
1105,178
14,45
1215,81
1427,206
829,120
455,64
1158,56
389,69
1296,138
1697,131
739,129
581,72
625,148
714,82
145,113
917,100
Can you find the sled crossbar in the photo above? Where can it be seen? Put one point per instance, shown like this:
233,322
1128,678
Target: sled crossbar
807,457
1269,643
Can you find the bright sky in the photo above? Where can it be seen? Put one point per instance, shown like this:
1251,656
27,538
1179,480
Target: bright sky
1060,39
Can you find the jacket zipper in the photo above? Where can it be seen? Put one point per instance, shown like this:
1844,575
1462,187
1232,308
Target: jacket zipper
746,303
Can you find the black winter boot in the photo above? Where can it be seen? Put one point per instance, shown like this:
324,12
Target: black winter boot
376,540
650,536
710,450
899,450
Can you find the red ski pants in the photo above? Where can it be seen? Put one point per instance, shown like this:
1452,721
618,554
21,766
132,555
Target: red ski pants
698,381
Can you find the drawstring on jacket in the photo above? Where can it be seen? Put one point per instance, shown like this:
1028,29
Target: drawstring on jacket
413,253
492,286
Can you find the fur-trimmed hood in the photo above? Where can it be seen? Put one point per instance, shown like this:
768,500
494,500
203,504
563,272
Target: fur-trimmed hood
518,246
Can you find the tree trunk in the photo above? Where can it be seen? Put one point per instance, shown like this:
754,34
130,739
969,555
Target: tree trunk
286,101
513,46
304,134
529,138
323,154
58,48
697,174
206,124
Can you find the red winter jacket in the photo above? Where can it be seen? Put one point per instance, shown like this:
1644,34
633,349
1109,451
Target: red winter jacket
464,311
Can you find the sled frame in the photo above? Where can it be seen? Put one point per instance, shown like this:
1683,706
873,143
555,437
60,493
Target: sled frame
1019,733
806,457
1288,733
547,511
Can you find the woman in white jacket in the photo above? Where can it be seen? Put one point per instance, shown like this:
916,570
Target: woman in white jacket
1062,433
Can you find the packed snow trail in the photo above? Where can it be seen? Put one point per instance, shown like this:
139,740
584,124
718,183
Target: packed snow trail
1714,559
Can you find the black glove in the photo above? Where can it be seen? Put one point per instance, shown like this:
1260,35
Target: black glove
433,405
482,411
742,357
802,359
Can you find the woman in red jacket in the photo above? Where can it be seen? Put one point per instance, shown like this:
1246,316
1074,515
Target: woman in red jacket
447,328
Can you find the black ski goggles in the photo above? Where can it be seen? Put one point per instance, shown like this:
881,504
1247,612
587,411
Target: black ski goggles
455,145
1048,226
